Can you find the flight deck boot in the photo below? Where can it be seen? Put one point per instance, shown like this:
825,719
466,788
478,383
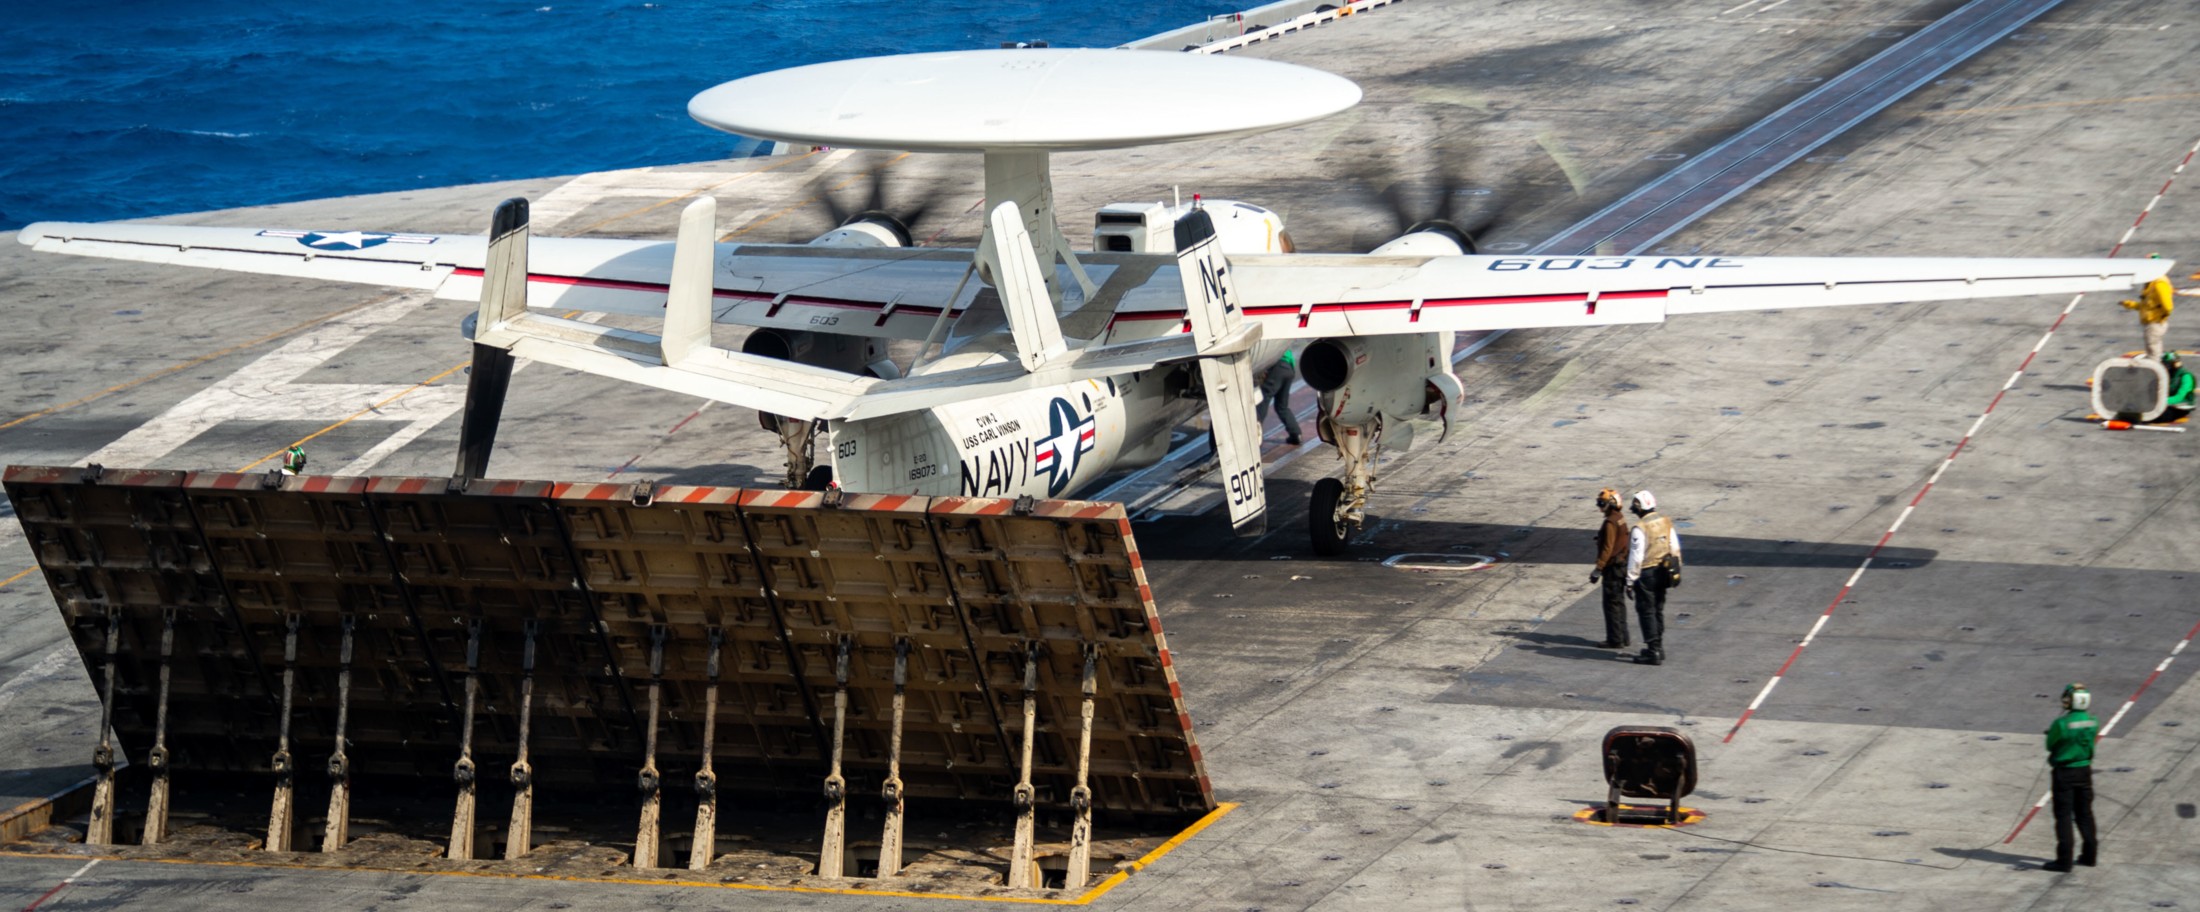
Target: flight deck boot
1652,654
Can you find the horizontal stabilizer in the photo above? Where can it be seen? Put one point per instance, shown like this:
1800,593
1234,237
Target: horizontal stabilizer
751,381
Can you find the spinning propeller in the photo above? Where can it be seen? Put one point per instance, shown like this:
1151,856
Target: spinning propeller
870,220
1439,214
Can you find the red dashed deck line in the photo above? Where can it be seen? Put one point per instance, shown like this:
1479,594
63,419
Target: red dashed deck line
2006,386
64,884
691,416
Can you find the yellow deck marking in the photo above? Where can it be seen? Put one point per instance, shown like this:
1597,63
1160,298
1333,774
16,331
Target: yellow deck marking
400,394
1689,816
1083,899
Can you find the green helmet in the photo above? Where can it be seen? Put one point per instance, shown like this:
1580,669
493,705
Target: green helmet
2171,358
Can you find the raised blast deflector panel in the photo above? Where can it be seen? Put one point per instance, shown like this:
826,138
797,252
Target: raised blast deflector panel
600,573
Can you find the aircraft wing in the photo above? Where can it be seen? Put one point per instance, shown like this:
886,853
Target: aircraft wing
880,292
1311,296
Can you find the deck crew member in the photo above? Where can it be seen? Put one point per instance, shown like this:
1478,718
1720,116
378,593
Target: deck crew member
1275,387
1611,567
2154,306
2179,394
1653,562
2070,740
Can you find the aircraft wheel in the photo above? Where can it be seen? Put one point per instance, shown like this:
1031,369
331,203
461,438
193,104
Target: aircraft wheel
1325,518
820,478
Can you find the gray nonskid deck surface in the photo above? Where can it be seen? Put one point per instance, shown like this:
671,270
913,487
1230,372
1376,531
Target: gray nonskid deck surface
1409,740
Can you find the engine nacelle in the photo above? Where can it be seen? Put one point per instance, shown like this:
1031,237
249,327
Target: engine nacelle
851,354
848,354
867,229
1431,237
1395,378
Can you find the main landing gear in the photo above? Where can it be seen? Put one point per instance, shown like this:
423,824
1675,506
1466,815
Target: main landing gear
1339,505
1325,517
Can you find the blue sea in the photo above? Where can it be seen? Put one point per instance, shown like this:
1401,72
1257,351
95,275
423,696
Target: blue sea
112,110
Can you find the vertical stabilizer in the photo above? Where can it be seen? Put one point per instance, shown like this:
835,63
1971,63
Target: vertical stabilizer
504,273
1216,319
1022,285
1208,301
688,301
503,299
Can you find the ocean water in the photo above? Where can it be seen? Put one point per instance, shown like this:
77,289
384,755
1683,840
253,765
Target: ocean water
133,108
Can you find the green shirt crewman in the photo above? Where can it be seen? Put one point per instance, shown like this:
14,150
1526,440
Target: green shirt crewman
2180,382
2070,740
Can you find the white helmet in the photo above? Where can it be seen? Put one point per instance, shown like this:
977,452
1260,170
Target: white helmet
1645,502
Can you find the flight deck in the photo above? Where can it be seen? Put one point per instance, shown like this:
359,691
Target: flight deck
1904,535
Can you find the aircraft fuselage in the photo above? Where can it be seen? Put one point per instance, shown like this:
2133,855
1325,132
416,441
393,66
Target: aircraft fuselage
1047,443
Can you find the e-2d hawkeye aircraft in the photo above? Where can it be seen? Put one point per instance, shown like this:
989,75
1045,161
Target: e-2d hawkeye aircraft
1055,367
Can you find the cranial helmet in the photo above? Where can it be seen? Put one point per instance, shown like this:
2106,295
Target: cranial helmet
2076,696
1607,498
2171,358
1645,502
